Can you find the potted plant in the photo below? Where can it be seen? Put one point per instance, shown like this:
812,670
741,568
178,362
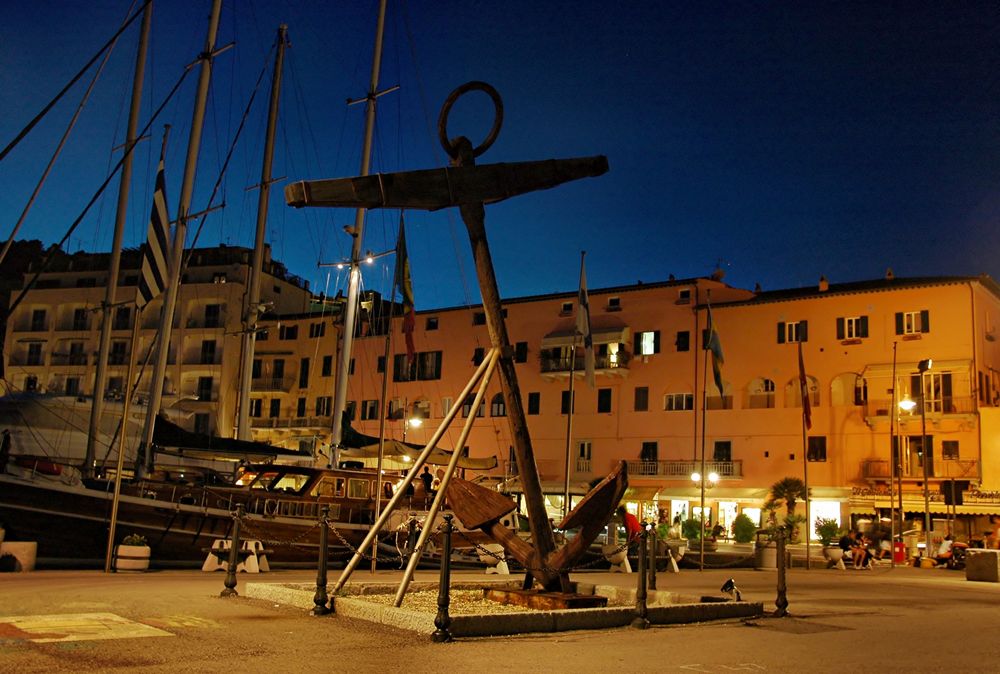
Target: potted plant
788,491
744,528
828,532
132,554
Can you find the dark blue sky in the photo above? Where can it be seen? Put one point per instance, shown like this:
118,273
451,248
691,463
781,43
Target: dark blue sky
786,140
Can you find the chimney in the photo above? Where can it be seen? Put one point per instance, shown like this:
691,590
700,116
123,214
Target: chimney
824,285
889,275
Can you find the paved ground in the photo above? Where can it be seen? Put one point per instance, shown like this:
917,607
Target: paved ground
886,620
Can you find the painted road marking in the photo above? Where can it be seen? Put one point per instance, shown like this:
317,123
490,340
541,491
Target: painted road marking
43,629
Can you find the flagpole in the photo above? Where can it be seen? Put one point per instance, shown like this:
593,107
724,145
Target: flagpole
704,409
804,391
569,426
582,327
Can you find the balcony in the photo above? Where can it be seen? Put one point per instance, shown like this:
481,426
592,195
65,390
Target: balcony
602,364
935,408
272,383
959,469
681,470
293,422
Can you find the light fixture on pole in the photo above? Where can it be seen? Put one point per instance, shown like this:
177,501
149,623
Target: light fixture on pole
707,483
412,422
907,404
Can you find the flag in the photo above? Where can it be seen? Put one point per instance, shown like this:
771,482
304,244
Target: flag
583,325
714,345
804,388
402,280
153,276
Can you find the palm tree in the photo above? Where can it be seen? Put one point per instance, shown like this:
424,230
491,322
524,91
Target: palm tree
788,490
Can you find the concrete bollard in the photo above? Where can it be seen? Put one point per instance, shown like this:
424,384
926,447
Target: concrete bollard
234,555
442,621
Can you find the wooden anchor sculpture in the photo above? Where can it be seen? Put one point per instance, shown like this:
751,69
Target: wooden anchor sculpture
470,187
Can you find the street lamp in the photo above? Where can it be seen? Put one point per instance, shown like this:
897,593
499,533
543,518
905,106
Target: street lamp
907,404
415,422
710,481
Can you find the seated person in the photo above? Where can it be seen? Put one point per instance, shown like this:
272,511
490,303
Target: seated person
944,551
846,543
859,552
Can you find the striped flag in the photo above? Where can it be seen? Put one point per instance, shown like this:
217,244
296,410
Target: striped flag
155,256
804,388
714,345
583,325
405,284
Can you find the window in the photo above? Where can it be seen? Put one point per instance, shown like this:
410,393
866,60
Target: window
534,402
380,366
723,451
446,404
564,403
79,319
603,401
852,327
478,355
327,367
913,322
369,409
205,385
279,369
275,408
300,407
467,407
647,343
357,488
122,316
288,332
676,402
684,296
208,352
614,304
72,386
521,352
212,314
479,318
683,341
261,335
432,323
816,448
31,383
202,423
255,368
937,392
118,353
324,405
425,366
351,409
304,373
219,278
949,450
584,449
38,320
394,410
498,408
256,407
649,451
641,398
760,394
114,389
34,354
76,354
793,331
421,409
567,308
317,330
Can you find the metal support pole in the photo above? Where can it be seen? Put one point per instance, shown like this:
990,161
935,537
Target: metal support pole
234,555
442,621
641,622
652,556
320,598
925,451
781,601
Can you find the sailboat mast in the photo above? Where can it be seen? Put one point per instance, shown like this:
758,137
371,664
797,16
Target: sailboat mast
252,307
101,375
354,282
177,249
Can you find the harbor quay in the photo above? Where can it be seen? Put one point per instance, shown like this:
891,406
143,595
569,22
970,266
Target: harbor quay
886,619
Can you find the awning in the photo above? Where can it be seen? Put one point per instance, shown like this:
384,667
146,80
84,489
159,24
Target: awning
904,369
917,506
641,494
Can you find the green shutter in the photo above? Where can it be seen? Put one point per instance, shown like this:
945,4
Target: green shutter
803,331
899,322
863,327
840,328
925,321
781,332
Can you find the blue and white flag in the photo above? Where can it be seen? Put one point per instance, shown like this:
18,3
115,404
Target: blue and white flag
155,256
583,326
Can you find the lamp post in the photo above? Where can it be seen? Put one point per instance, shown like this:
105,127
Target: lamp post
707,483
908,404
415,422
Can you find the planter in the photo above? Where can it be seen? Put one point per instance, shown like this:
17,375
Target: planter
24,552
613,554
131,557
765,555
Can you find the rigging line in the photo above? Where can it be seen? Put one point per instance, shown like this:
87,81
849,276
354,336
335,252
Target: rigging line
225,164
100,190
58,151
27,129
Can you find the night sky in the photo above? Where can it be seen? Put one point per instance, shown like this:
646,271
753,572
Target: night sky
780,140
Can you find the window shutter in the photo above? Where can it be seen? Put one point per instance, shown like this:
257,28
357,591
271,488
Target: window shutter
863,326
925,321
840,328
656,341
781,332
803,331
899,322
637,343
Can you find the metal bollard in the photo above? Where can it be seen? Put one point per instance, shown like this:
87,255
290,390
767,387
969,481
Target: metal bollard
653,543
234,555
442,621
320,598
781,601
640,621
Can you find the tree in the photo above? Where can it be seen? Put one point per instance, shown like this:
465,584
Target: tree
788,491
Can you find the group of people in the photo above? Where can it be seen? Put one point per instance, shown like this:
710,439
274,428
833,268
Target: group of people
861,550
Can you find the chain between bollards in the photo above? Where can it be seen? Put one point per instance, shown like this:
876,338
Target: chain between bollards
641,621
781,601
442,621
234,555
320,598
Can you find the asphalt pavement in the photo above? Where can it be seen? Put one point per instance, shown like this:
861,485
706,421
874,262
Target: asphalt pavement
884,620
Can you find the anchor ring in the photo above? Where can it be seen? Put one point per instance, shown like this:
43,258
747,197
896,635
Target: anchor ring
446,109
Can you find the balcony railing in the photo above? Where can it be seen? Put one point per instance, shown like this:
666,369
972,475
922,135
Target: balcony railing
879,469
548,469
272,383
293,422
947,405
681,470
562,364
